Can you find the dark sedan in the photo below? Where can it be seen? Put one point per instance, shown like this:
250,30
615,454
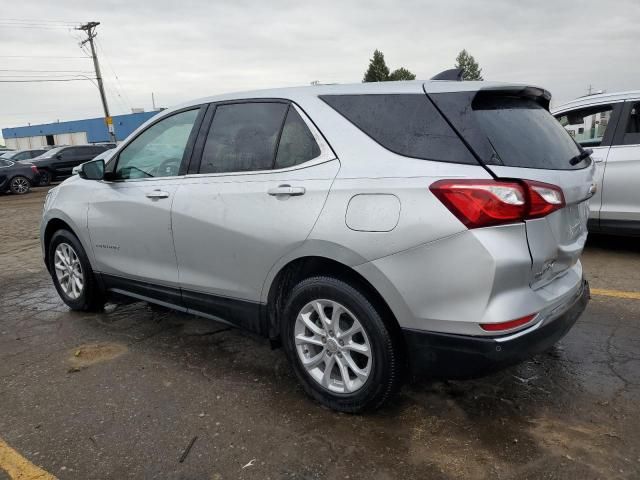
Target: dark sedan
58,162
17,177
28,154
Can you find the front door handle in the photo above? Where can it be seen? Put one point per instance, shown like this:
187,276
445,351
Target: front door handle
598,159
287,190
157,194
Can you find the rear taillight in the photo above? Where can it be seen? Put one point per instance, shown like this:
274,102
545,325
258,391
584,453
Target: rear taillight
34,169
483,203
510,325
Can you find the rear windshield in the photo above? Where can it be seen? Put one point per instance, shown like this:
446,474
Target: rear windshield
524,134
406,124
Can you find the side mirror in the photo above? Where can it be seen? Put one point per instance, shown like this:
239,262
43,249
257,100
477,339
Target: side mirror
93,170
59,156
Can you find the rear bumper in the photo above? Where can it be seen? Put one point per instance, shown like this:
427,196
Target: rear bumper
434,354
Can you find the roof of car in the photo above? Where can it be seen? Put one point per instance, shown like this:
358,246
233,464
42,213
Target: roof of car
413,86
598,99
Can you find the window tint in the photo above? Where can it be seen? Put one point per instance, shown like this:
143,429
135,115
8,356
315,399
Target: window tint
632,132
243,137
297,144
524,134
406,124
21,156
36,153
587,126
158,151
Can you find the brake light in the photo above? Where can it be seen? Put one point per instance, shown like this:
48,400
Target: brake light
483,203
34,169
510,325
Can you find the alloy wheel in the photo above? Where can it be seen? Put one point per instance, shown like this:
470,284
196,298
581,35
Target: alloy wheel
19,185
333,346
69,271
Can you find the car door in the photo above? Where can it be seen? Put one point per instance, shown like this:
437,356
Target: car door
621,192
258,185
129,213
593,127
65,160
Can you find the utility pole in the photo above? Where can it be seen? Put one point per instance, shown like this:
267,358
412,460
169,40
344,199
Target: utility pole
90,29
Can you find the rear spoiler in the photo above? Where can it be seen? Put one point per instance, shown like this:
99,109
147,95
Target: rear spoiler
537,94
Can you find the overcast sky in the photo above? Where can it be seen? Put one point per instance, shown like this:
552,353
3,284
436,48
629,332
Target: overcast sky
187,49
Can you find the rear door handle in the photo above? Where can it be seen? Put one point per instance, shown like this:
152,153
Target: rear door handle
287,190
157,194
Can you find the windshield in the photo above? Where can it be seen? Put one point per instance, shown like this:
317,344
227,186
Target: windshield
524,134
50,153
7,154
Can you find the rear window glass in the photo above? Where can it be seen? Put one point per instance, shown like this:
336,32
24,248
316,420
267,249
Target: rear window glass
406,124
524,134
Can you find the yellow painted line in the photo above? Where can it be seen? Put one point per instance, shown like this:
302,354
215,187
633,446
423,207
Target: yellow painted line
615,293
18,467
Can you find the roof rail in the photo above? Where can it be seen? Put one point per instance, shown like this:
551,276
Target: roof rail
451,74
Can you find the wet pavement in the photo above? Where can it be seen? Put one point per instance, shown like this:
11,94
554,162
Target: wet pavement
122,394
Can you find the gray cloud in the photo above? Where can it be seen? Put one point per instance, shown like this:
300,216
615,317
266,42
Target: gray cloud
182,50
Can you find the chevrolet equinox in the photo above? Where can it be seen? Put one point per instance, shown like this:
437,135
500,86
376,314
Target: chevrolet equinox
430,228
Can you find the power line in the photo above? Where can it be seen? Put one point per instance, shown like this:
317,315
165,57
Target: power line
39,27
44,71
42,56
121,92
47,80
46,20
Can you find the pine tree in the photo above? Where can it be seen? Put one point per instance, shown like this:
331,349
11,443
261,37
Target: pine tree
470,68
378,70
402,74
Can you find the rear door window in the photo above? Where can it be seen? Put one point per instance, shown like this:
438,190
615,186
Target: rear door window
406,124
587,126
632,130
297,144
243,137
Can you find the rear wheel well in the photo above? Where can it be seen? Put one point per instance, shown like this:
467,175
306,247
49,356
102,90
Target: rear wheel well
52,227
301,268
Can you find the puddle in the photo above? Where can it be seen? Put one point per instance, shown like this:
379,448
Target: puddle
85,355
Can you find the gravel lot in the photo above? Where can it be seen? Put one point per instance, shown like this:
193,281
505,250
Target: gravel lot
122,394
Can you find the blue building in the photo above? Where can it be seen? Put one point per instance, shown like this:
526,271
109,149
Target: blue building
75,132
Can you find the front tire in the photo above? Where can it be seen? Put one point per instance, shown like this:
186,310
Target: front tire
342,352
19,185
72,274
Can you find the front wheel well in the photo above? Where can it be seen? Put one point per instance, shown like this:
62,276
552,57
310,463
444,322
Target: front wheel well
305,267
52,227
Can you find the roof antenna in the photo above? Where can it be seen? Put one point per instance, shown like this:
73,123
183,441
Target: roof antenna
451,74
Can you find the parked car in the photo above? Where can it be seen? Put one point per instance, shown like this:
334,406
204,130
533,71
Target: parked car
374,230
58,162
609,124
17,177
18,155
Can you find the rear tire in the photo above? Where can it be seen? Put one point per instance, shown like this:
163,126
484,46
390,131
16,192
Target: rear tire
45,178
19,185
341,350
72,274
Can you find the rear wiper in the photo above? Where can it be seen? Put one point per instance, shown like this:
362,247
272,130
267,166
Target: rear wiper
580,157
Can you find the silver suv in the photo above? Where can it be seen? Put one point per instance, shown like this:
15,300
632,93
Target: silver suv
609,124
375,231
